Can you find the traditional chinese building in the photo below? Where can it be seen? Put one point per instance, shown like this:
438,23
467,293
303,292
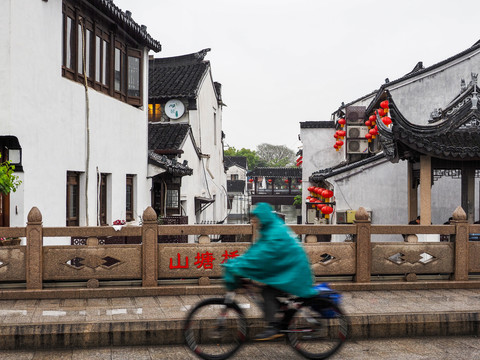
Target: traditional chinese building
432,123
238,196
80,68
278,187
185,125
448,146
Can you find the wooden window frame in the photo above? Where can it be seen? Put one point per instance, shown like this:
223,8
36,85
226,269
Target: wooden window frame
114,38
102,182
73,179
130,198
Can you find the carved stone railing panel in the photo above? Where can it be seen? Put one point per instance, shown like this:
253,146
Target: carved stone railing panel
474,256
92,262
196,260
418,258
332,258
12,264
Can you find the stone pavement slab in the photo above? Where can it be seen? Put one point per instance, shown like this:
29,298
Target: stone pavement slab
425,348
157,320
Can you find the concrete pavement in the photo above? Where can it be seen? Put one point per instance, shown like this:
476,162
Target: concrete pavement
157,320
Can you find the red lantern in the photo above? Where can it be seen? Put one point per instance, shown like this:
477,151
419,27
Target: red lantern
372,118
336,147
368,123
381,112
384,104
373,133
327,194
368,137
327,210
342,122
386,120
269,180
342,133
310,188
250,180
286,181
339,143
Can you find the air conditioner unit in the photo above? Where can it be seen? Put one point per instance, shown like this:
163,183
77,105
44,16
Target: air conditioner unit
357,146
355,115
356,132
341,216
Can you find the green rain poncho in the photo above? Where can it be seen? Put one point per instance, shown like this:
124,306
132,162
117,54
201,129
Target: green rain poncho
276,258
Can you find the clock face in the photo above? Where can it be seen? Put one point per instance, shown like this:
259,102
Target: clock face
174,109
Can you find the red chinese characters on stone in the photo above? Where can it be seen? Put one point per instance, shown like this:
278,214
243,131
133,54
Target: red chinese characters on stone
229,255
179,266
204,260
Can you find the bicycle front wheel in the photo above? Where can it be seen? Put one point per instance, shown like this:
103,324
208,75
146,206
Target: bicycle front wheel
317,334
214,330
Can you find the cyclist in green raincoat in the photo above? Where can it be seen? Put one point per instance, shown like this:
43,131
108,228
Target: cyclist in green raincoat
276,259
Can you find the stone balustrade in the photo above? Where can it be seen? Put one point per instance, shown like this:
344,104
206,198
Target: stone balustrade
152,267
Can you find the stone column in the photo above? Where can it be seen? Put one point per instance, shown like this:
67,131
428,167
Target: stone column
425,190
461,244
34,255
364,251
149,248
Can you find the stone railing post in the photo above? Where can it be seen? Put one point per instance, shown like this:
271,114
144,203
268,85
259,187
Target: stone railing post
34,255
149,248
461,244
364,252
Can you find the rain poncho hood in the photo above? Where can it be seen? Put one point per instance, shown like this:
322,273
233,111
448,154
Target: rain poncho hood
276,258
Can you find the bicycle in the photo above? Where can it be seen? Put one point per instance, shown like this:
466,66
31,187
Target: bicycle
316,327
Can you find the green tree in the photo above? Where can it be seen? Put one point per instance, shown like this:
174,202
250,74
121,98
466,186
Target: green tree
276,155
253,160
8,181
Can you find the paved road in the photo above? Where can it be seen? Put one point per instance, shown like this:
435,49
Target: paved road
425,348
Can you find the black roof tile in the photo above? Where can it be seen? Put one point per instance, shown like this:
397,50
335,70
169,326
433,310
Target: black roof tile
163,136
276,172
170,165
138,32
178,76
236,160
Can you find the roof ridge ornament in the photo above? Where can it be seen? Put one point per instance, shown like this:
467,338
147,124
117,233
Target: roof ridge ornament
474,94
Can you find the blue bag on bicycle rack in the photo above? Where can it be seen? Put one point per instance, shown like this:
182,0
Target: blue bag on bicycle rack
325,292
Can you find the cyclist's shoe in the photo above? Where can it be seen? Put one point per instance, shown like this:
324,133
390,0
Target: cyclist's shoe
269,333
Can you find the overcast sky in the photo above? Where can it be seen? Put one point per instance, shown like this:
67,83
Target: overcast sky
281,62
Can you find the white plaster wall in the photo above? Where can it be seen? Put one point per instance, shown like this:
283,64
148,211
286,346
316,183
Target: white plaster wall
48,115
236,170
318,154
417,98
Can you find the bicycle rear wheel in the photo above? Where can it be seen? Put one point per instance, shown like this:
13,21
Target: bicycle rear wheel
214,330
317,334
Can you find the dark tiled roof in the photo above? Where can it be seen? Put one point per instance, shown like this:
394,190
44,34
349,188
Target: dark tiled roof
277,172
236,160
317,125
329,172
166,136
456,136
237,186
178,76
170,165
138,32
